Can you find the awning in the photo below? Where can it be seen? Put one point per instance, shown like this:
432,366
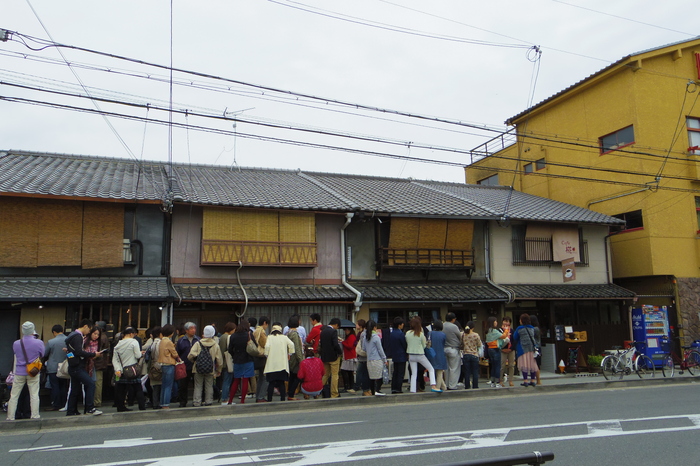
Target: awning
82,289
603,291
431,293
263,293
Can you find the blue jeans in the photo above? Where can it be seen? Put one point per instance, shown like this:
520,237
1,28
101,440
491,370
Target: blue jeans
470,365
59,391
79,376
166,387
495,364
227,378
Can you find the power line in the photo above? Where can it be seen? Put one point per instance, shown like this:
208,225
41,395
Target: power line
329,147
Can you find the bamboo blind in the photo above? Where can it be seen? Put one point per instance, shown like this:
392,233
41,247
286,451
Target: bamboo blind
403,235
240,225
60,233
19,232
460,236
103,233
297,227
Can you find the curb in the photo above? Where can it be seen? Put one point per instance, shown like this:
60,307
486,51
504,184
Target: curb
175,414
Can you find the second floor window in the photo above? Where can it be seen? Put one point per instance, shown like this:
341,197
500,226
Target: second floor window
633,221
620,138
545,244
694,135
489,181
258,237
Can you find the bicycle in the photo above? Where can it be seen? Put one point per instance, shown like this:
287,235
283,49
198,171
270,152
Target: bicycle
690,361
625,362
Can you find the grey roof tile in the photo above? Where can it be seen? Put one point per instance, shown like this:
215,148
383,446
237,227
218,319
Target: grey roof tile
94,177
255,293
570,291
77,176
473,292
84,288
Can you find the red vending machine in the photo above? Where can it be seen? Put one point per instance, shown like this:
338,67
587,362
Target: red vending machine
650,325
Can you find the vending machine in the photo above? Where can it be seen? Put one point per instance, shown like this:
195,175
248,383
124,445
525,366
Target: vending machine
650,324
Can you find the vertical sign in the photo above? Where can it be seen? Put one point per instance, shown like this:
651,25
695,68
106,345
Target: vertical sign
568,269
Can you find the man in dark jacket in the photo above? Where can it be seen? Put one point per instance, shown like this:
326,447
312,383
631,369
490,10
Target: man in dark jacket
331,352
77,360
183,348
397,353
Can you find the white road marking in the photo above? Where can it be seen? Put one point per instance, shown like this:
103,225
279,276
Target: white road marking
366,449
19,450
255,430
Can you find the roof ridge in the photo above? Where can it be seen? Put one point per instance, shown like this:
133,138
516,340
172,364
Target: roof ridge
329,190
447,193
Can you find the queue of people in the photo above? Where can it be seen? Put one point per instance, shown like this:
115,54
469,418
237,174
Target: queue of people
290,362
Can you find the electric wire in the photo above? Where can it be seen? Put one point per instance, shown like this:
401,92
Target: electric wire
338,148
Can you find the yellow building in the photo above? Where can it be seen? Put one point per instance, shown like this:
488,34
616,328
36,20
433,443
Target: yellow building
624,142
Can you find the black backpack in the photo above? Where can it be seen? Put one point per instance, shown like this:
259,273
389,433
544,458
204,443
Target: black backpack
204,364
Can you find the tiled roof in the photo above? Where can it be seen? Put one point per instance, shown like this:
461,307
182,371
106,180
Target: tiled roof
77,176
84,288
264,293
604,291
431,293
94,177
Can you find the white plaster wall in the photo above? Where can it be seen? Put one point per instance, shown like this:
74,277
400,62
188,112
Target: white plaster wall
503,270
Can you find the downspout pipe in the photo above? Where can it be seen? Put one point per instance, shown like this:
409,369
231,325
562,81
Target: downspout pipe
487,265
343,267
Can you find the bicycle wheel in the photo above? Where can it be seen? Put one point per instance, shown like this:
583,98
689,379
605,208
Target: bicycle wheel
609,366
693,362
668,367
644,367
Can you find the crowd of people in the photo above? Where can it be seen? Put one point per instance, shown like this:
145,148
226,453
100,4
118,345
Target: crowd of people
258,359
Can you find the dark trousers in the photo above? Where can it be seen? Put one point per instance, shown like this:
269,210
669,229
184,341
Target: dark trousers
397,376
495,364
78,377
278,384
363,376
59,391
293,384
348,379
470,367
132,389
183,386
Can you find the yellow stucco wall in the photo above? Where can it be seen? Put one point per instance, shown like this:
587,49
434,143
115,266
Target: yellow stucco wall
652,95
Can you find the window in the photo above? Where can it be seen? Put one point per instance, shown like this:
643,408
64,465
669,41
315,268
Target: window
490,181
548,244
694,136
621,138
258,237
633,221
540,164
528,168
697,210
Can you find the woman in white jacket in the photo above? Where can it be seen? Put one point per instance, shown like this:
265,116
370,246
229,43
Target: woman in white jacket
126,353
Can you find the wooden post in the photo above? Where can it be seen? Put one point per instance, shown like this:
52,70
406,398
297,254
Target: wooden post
119,329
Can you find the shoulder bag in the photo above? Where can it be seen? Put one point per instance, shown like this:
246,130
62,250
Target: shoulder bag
180,370
62,371
360,348
34,367
251,347
131,371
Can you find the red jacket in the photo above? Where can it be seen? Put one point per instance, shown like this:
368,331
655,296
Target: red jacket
314,336
349,347
311,374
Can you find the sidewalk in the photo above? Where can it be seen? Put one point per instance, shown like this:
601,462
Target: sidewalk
551,382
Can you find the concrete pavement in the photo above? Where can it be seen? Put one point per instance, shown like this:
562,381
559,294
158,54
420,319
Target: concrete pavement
551,382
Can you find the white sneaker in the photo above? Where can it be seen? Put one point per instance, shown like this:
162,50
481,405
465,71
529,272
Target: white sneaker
64,409
493,385
379,394
498,385
94,412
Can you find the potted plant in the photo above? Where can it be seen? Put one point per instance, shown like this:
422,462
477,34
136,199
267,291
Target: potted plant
594,361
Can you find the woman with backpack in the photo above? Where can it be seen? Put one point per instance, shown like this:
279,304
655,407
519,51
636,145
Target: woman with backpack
525,346
207,359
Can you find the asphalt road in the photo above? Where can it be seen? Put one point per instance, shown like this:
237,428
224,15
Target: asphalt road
646,425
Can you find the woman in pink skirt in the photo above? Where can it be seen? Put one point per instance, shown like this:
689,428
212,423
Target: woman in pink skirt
525,346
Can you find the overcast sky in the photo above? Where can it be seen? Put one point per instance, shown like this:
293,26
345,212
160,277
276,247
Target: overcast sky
459,60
